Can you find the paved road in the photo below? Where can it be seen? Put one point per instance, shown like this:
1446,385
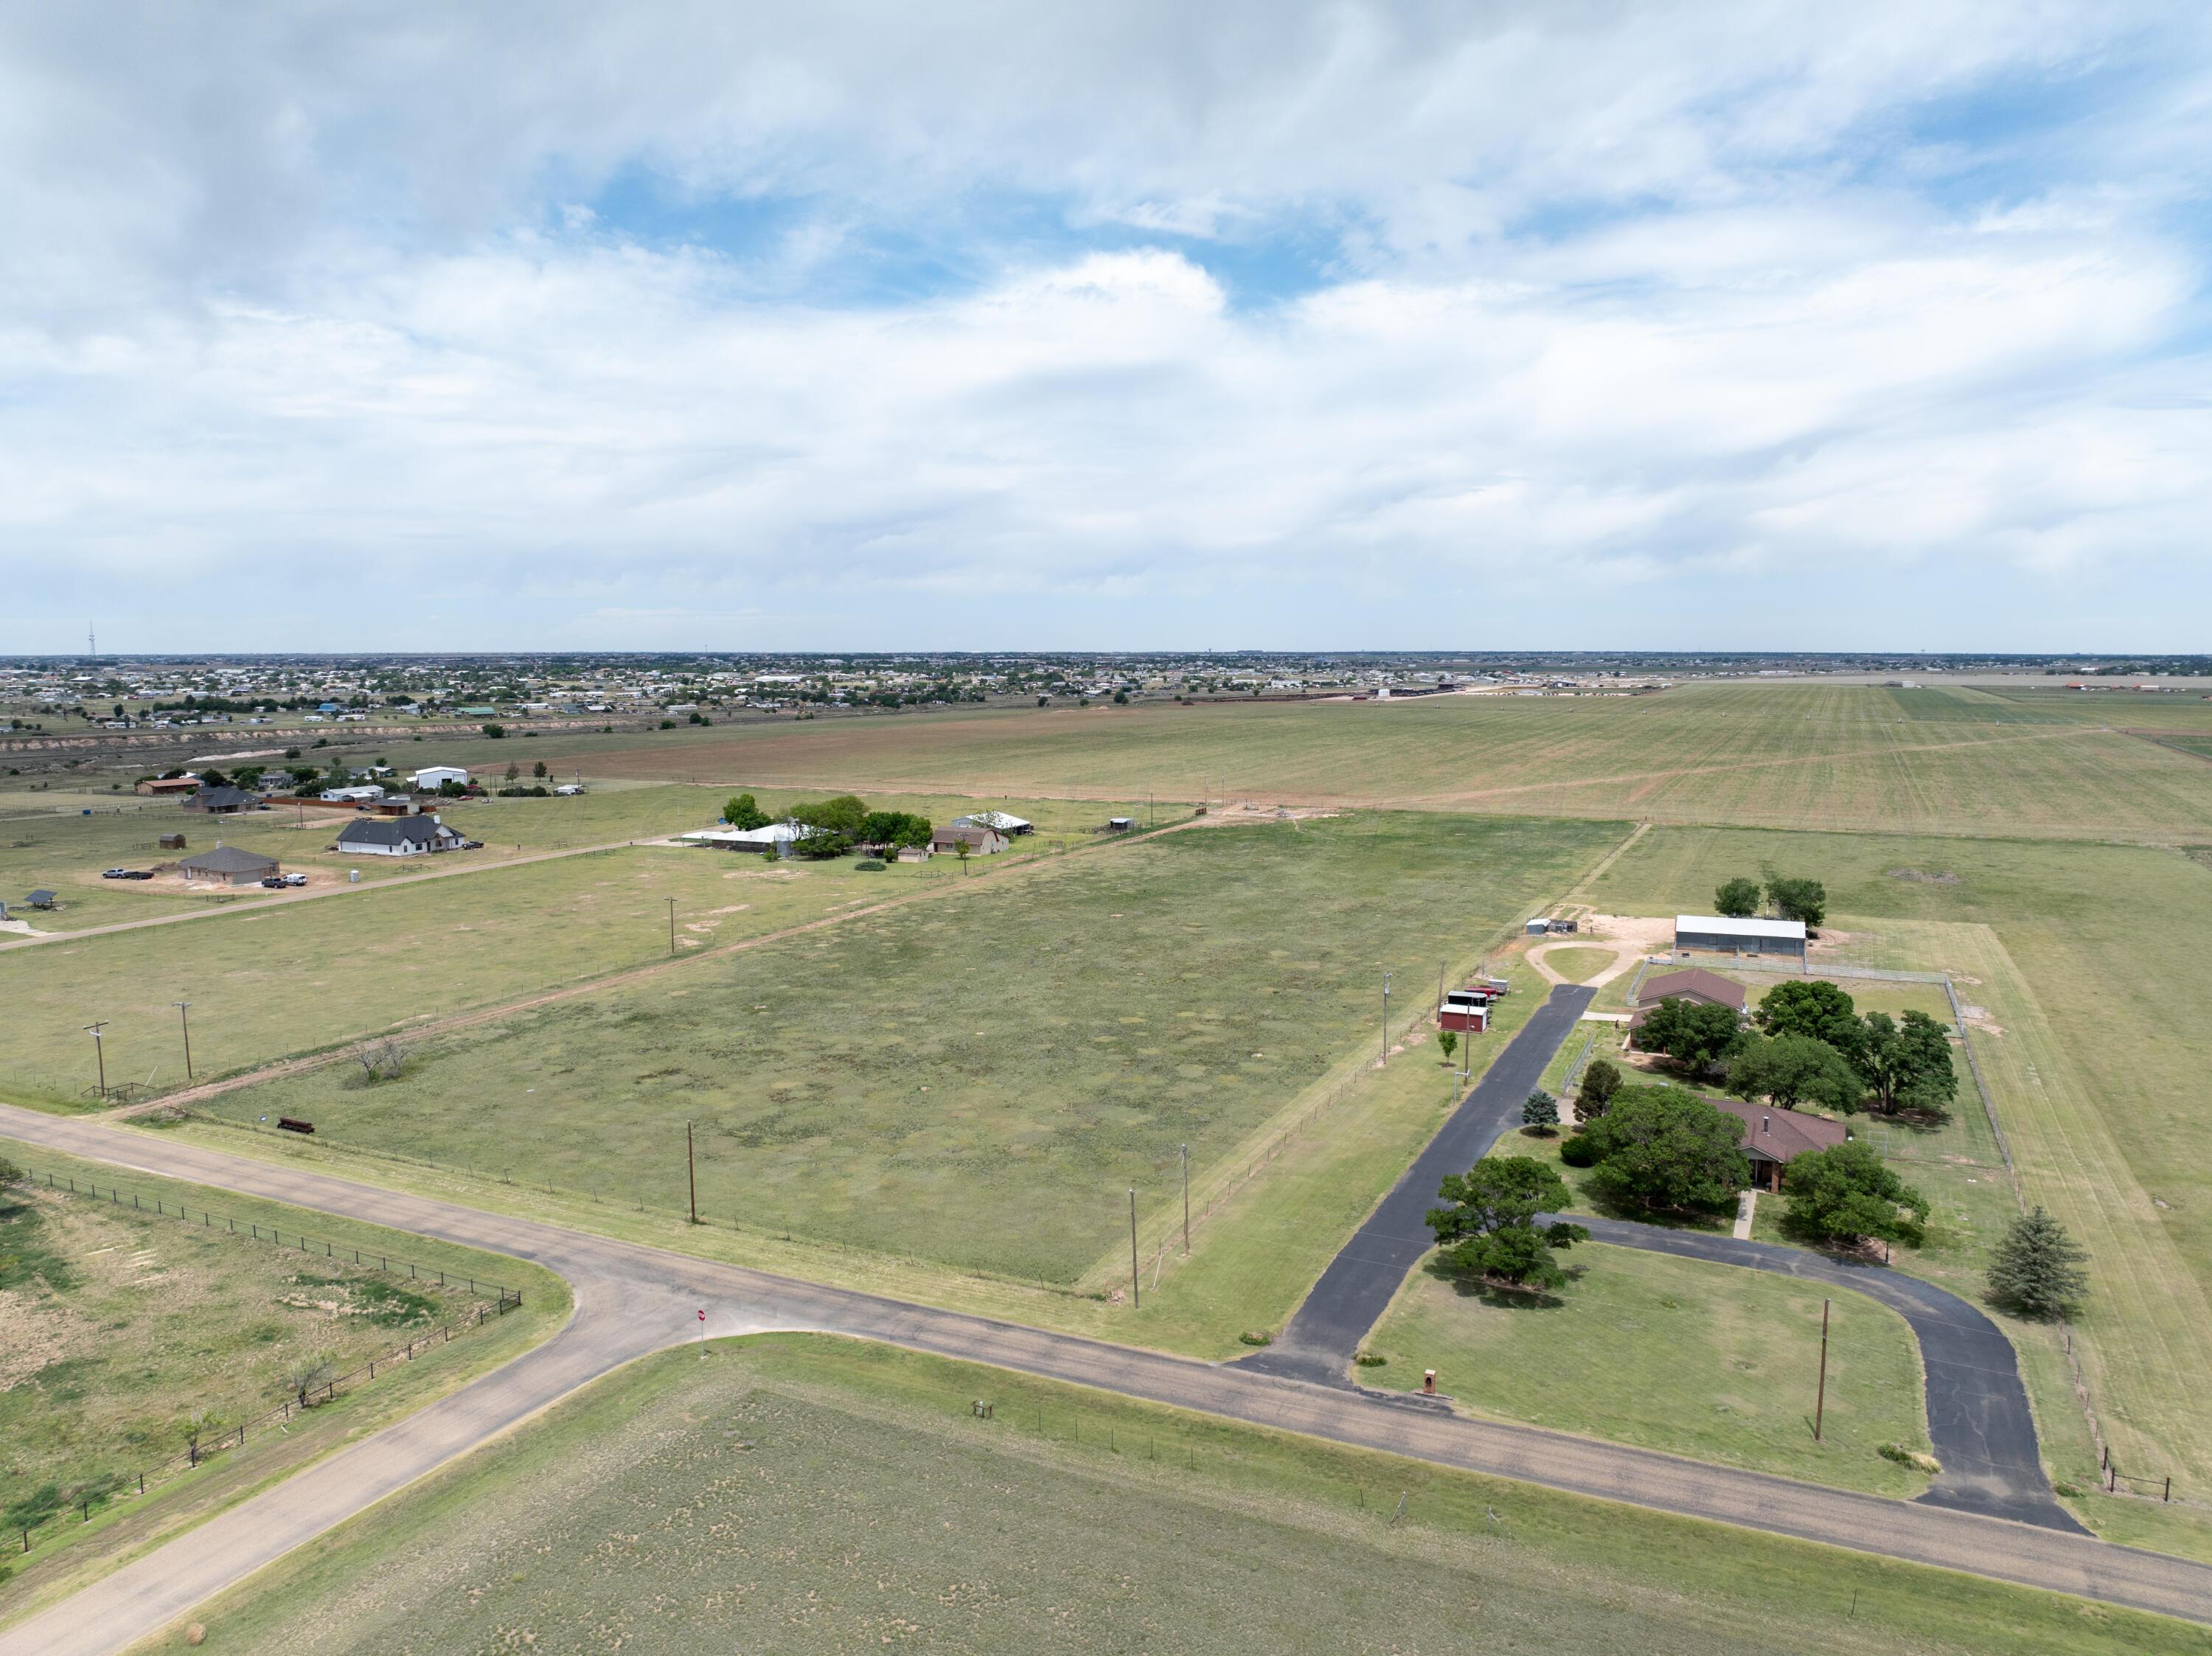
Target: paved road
1356,1289
632,1299
1979,1421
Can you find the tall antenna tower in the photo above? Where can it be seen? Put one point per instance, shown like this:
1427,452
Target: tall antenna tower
91,642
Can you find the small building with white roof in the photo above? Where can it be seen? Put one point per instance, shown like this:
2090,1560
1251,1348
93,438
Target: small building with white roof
1727,934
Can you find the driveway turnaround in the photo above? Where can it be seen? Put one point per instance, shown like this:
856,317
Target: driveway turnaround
1353,1293
1979,1421
631,1298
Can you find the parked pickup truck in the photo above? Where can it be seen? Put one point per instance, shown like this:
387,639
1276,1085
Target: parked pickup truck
127,874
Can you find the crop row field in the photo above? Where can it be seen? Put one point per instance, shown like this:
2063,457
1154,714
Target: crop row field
798,1493
2090,964
977,1082
1849,757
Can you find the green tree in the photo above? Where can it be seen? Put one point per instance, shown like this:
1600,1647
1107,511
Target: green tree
2037,1269
1736,898
1908,1065
10,1173
539,769
842,814
212,777
1541,1110
1798,899
822,846
1845,1195
495,731
894,827
513,769
1666,1148
1600,1081
1449,1039
1806,1006
1491,1231
1694,1033
1794,1070
743,812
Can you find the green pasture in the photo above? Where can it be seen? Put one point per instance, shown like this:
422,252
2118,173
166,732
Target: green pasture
798,1493
979,1082
296,977
1849,757
2089,962
1707,1360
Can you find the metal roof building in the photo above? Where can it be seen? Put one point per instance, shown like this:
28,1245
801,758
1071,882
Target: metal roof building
1728,936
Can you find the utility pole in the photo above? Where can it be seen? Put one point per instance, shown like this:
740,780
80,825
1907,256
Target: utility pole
99,1052
1440,987
1820,1402
1136,1287
671,925
1185,1201
1386,1017
691,1173
183,1008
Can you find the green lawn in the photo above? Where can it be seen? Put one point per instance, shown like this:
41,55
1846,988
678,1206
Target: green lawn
2090,963
1700,1360
978,1082
797,1492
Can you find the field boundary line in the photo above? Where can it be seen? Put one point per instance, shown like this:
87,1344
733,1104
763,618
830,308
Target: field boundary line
1266,1143
261,904
300,1064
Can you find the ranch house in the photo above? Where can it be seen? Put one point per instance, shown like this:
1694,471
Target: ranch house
397,836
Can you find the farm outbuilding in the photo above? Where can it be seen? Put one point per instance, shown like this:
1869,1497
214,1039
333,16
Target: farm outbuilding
227,866
221,802
1725,935
1466,1010
430,778
981,841
1538,927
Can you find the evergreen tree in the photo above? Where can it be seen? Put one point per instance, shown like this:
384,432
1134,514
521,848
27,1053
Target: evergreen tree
1542,1110
1600,1081
2037,1270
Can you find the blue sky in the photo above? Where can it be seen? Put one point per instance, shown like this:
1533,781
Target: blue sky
1424,326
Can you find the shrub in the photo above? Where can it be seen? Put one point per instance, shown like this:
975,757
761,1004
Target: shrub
870,866
1577,1151
1252,1337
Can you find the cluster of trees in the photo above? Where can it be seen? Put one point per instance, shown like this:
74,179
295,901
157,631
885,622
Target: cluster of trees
1663,1149
1791,897
839,824
1808,1045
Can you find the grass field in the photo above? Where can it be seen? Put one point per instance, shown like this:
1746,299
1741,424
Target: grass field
1724,1360
799,1494
979,1082
123,1326
2090,961
1831,756
299,976
117,1323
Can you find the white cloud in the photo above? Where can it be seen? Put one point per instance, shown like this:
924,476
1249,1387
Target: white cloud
1621,298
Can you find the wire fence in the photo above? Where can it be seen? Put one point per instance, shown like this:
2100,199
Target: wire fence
97,1495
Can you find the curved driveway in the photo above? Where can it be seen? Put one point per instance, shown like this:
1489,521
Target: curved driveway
631,1300
1978,1419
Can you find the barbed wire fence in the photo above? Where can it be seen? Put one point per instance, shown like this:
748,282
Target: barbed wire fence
97,1495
